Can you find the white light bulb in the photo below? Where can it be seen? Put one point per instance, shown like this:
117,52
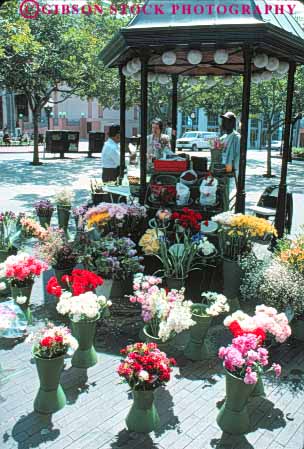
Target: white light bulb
273,64
228,80
151,77
210,81
266,76
256,78
221,56
194,57
169,57
283,67
260,60
130,67
163,78
136,76
125,71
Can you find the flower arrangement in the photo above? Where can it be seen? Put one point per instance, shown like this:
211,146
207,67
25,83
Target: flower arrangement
20,270
266,321
145,367
112,258
52,341
274,282
291,252
10,231
44,208
165,312
188,219
85,306
239,231
31,228
64,197
246,359
215,304
205,247
149,242
120,219
79,282
56,250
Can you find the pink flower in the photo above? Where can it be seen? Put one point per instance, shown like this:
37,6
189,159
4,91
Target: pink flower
250,376
136,286
277,369
222,352
133,299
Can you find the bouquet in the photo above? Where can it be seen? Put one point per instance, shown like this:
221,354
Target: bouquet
165,312
10,231
52,341
64,198
44,208
112,258
145,367
22,269
214,305
188,219
291,252
149,242
79,282
86,306
31,228
265,321
56,250
246,359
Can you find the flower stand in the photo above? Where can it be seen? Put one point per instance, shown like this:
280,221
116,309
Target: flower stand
24,291
143,416
45,221
196,348
84,332
50,397
63,217
233,416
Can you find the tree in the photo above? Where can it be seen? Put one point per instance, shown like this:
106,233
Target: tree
52,53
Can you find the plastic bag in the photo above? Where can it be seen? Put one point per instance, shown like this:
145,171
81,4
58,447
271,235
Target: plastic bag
182,194
208,190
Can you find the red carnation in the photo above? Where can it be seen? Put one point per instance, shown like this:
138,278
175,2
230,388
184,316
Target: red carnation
58,338
47,342
236,329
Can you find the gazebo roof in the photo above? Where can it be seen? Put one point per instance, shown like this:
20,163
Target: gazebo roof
208,29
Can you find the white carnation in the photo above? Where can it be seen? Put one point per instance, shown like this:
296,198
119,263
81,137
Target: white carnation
21,300
2,285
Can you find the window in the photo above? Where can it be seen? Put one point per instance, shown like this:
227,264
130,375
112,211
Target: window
134,131
135,113
100,111
21,106
213,123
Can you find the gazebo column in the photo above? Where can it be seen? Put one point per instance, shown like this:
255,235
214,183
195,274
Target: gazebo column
143,129
174,111
122,124
240,195
281,207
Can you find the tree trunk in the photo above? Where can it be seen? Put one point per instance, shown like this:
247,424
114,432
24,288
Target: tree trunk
36,132
268,172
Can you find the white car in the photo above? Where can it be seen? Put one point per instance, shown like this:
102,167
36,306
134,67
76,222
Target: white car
276,144
195,140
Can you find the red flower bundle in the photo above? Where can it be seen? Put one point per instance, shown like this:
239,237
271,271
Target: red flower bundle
188,219
237,331
145,367
80,281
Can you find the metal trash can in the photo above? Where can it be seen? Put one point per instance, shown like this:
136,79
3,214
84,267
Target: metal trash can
96,141
61,141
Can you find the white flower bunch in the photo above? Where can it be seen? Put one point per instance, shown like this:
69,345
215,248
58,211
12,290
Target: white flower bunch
245,321
2,285
206,247
178,320
86,306
217,303
224,218
64,197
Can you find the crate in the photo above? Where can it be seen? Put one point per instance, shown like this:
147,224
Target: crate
171,166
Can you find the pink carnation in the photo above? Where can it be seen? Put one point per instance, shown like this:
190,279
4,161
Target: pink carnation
250,376
277,369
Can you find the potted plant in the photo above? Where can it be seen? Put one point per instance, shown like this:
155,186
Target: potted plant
58,252
164,313
32,229
245,360
213,304
44,211
236,237
98,194
144,369
78,215
84,309
50,346
20,272
116,260
10,234
187,221
64,199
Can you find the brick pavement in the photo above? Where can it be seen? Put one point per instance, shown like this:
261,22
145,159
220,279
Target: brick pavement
98,403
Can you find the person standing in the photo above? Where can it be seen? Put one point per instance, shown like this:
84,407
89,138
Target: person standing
110,155
156,143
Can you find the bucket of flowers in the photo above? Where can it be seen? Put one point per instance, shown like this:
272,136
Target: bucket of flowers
50,345
144,368
78,215
77,300
165,313
213,304
19,272
63,200
10,234
44,210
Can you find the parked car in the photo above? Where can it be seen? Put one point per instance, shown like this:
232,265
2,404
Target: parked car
195,140
276,144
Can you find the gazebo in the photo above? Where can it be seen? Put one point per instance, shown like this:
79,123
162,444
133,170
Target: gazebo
209,38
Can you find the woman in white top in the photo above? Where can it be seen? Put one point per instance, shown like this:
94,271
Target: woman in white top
156,143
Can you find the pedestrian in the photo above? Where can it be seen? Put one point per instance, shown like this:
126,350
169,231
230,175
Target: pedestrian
156,143
169,130
231,151
110,155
